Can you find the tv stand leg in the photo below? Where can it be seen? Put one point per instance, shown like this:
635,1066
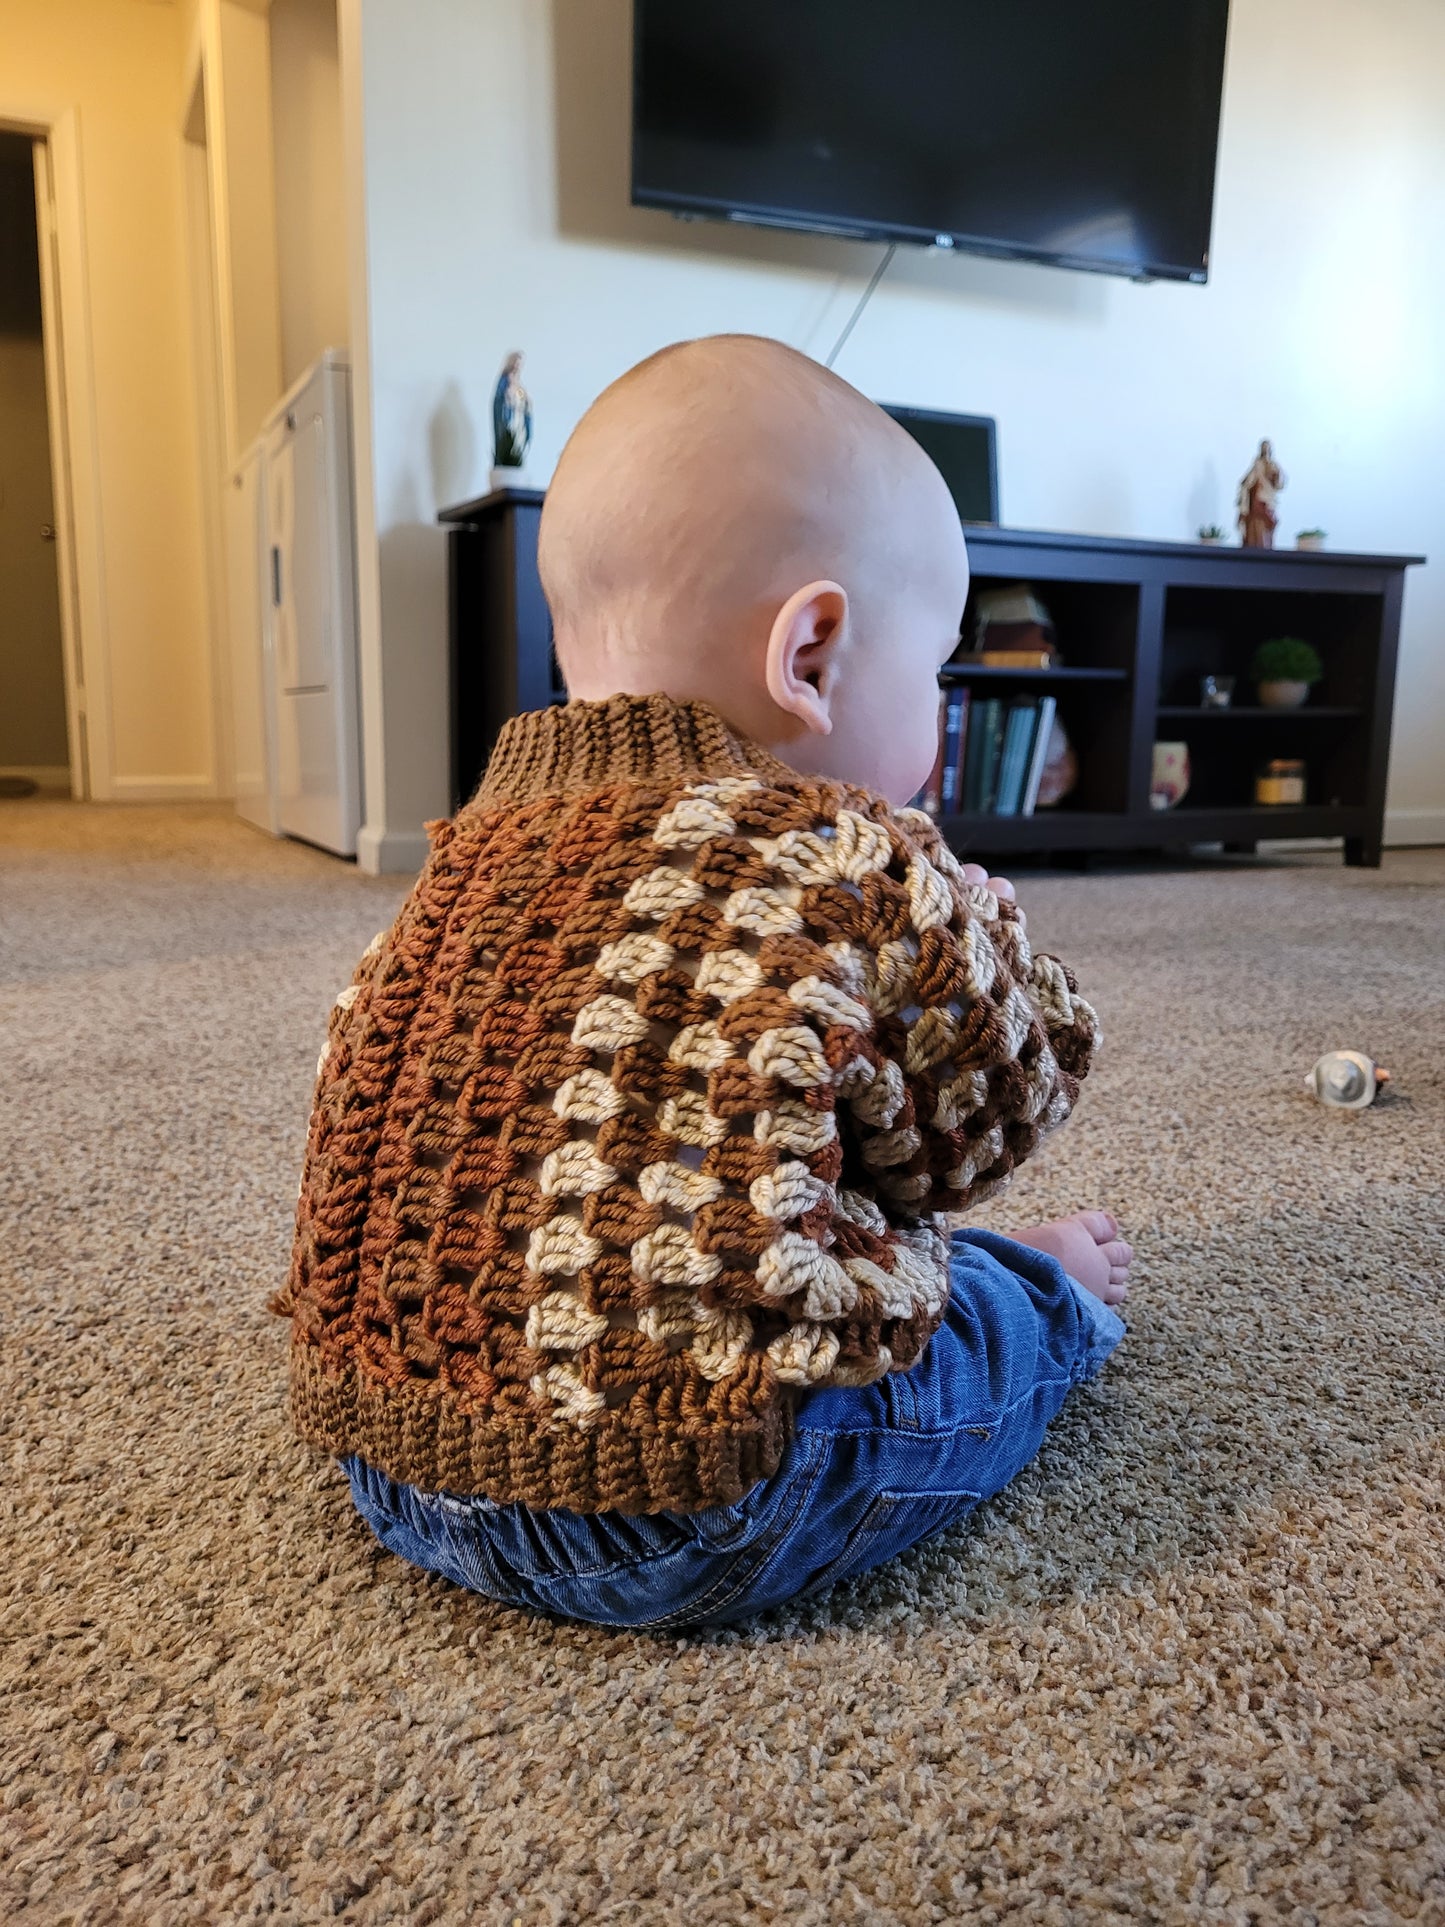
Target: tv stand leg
1249,846
1364,852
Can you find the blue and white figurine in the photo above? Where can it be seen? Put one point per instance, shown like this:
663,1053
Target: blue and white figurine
511,426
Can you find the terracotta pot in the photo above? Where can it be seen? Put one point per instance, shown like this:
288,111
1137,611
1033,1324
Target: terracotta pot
1283,695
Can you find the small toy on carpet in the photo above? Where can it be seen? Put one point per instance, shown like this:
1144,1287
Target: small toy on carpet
1347,1080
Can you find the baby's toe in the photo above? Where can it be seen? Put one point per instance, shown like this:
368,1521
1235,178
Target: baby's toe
1119,1254
1102,1226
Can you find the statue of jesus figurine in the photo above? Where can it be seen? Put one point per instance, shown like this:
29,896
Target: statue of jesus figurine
1258,494
511,426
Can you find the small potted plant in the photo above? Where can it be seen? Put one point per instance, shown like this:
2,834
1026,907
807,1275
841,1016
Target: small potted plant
1211,532
1311,538
1285,669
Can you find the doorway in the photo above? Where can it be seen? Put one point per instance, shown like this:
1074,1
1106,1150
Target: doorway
34,732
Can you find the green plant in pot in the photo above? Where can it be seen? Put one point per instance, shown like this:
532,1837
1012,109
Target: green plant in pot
1284,670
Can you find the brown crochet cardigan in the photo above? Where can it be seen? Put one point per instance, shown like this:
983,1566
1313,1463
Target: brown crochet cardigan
639,1120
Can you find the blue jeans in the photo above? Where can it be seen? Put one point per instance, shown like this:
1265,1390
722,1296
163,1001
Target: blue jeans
870,1471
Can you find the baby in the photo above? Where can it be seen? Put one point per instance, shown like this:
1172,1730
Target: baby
623,1285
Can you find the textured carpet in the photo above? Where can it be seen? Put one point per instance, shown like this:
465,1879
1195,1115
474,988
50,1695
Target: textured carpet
1187,1669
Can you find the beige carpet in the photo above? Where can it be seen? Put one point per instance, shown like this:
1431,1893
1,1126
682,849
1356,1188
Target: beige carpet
1188,1669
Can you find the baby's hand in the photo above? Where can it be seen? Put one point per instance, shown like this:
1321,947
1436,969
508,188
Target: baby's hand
975,874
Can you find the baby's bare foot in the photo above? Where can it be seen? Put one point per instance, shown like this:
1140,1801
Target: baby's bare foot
1089,1248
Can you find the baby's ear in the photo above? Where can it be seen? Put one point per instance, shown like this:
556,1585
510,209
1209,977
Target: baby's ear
804,648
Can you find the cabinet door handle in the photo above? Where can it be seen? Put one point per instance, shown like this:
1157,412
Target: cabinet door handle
275,577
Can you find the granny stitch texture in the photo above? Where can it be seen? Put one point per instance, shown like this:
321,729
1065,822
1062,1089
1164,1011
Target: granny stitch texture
642,1116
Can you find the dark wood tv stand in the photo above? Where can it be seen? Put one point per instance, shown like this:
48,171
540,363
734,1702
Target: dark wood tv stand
1138,624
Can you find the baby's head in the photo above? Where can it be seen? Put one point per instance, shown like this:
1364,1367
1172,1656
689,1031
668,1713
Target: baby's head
731,523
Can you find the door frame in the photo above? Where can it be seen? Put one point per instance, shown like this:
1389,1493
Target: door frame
71,422
212,445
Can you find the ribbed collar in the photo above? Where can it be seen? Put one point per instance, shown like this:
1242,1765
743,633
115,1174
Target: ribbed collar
577,747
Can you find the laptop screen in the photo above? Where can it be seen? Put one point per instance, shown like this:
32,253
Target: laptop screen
963,448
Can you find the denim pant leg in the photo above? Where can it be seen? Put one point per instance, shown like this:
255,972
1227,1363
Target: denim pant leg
902,1458
871,1470
649,1572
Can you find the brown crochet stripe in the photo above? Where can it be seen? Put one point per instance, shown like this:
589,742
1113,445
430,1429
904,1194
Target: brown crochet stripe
418,1437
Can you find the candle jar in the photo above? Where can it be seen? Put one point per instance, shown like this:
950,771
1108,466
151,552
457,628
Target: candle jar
1280,781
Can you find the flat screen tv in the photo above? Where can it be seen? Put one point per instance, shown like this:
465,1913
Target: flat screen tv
1078,132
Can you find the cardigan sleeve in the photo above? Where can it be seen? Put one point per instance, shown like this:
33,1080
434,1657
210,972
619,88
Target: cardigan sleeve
978,1045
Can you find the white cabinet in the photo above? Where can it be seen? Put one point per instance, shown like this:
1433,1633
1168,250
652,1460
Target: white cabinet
301,658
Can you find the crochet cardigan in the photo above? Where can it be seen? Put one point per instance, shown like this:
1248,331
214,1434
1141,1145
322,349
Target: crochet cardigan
643,1117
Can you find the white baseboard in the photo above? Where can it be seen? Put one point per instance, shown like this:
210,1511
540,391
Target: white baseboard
1300,843
390,853
163,789
48,776
1404,827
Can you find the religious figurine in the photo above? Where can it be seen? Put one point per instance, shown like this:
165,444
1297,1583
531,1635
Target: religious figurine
511,426
1258,494
1169,778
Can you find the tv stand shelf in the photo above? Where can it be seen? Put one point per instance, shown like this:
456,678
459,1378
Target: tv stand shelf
1246,713
1138,624
1034,678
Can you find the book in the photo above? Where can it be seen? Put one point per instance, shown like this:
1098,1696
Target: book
1042,658
999,658
966,703
955,726
993,748
968,792
1039,753
1013,768
930,797
985,741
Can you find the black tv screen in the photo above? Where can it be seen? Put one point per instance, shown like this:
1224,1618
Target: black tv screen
1081,132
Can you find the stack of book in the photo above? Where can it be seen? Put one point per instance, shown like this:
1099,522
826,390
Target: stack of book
991,754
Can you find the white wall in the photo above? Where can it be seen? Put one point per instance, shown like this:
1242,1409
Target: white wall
496,217
310,189
118,68
236,59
